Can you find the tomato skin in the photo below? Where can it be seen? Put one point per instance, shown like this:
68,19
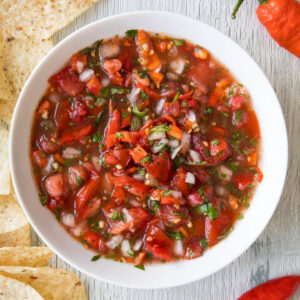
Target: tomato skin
74,134
196,198
61,114
112,128
178,182
158,251
78,111
164,162
193,249
119,195
158,237
92,207
92,238
39,158
94,86
47,145
172,216
214,229
242,180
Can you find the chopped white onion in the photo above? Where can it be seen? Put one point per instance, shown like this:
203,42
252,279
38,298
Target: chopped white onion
127,215
138,177
225,173
221,191
108,50
190,178
105,81
160,106
211,64
195,156
172,76
55,96
192,116
163,188
96,162
176,194
79,66
185,142
125,247
175,152
68,219
161,225
173,143
177,65
156,135
88,98
135,203
158,146
138,244
150,181
48,167
115,241
86,75
178,248
77,230
71,152
133,95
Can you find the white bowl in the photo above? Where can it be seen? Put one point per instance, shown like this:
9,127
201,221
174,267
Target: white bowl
273,163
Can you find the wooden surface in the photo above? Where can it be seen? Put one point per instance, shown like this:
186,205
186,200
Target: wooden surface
277,250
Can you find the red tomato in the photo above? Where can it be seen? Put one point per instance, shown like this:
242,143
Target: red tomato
78,58
172,216
178,182
215,229
158,237
163,162
47,145
112,128
126,59
55,185
252,126
94,86
77,175
242,180
74,134
194,248
92,207
158,252
39,158
112,66
78,111
199,195
123,156
119,195
61,115
237,102
92,238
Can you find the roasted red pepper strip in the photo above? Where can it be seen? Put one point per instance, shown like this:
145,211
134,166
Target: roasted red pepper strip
281,18
276,289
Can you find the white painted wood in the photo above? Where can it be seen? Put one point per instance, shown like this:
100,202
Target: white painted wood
277,251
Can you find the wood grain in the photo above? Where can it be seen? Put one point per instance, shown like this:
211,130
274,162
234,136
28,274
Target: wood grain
277,250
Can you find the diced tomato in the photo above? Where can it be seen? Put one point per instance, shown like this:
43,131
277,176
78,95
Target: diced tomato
215,229
122,156
194,248
172,216
258,176
40,158
201,175
242,180
169,200
91,238
237,102
78,58
74,134
119,195
112,66
55,185
44,107
94,86
57,203
92,208
172,108
126,59
240,118
77,175
157,236
132,185
85,194
47,145
112,128
199,195
158,252
178,182
186,96
61,115
252,126
126,118
138,153
163,162
78,111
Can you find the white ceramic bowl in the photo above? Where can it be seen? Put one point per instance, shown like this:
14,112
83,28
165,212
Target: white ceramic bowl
273,159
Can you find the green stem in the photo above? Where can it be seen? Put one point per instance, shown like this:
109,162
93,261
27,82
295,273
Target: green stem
236,8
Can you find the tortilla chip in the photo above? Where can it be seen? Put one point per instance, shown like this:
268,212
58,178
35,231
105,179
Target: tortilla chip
14,228
25,256
21,56
11,289
39,18
49,283
4,162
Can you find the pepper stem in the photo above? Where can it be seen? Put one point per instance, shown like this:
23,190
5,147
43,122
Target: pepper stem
236,8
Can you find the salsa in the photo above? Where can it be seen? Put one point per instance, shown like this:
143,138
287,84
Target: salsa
145,148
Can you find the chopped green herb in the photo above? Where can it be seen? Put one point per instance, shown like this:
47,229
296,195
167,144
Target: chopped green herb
143,75
209,111
163,127
140,266
233,166
208,210
135,123
131,33
146,159
96,257
79,180
119,135
143,95
184,103
179,42
57,213
139,113
114,91
115,215
226,233
215,142
240,217
122,217
97,44
203,243
201,190
175,235
238,115
191,253
130,253
156,206
179,214
97,137
252,141
124,114
86,50
224,114
43,199
176,96
103,162
141,171
93,64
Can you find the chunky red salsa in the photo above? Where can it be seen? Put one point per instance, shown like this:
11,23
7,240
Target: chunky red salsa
146,148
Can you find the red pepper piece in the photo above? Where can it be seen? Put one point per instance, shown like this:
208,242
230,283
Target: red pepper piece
276,289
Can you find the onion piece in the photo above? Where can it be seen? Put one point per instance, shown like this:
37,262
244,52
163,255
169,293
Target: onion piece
135,203
48,167
175,152
96,162
86,75
79,66
160,106
158,146
137,245
185,142
178,248
127,215
173,143
68,219
161,225
133,95
55,96
192,116
71,152
125,247
176,194
77,230
115,241
225,173
221,191
156,135
172,76
138,177
105,81
109,50
190,178
195,156
177,65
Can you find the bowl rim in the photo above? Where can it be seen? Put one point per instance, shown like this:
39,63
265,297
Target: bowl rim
14,166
